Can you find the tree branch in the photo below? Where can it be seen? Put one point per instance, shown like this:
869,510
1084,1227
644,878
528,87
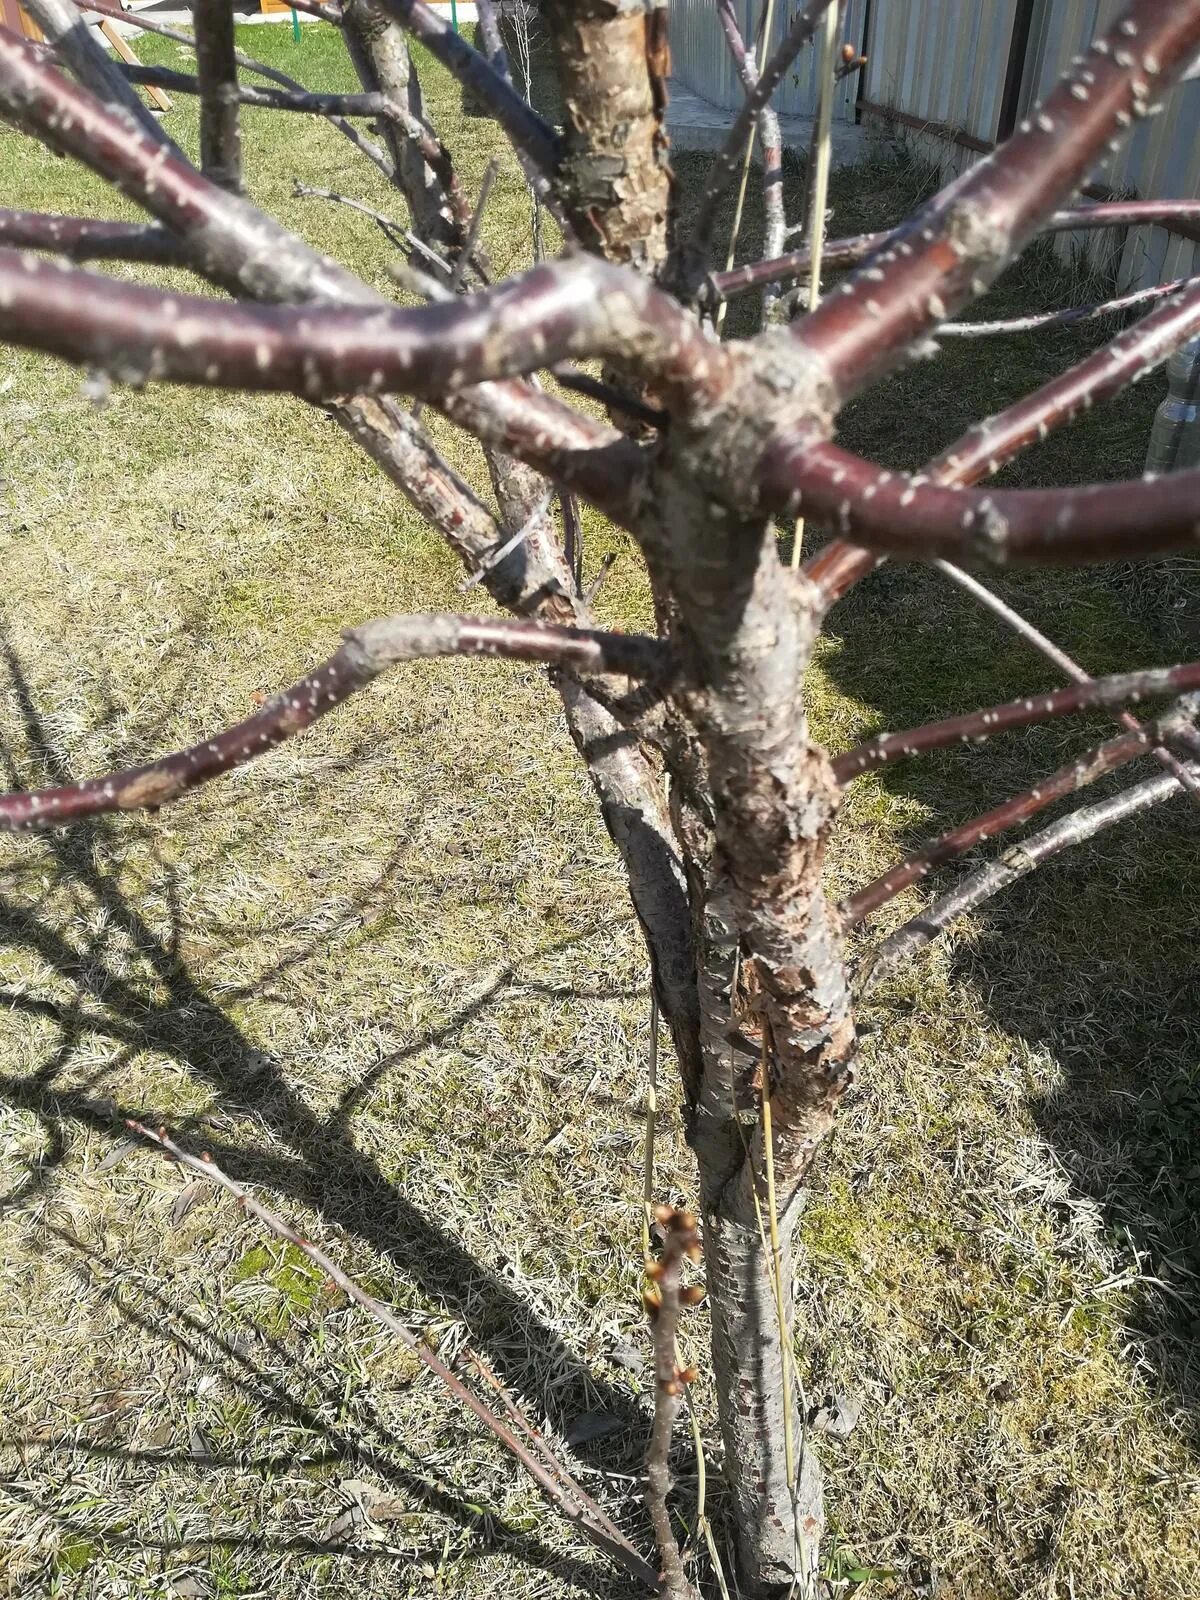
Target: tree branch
367,652
542,188
694,255
579,307
953,248
150,24
849,252
1015,864
220,135
1070,315
987,445
237,246
421,165
774,221
910,517
86,239
73,40
527,131
1077,774
1124,688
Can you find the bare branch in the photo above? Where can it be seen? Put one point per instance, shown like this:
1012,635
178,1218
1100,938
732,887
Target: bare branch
953,248
528,131
151,24
367,652
774,220
86,239
220,135
694,256
1069,668
913,518
236,245
70,36
1071,314
578,307
849,252
1015,864
541,187
555,1483
1124,688
1077,774
987,445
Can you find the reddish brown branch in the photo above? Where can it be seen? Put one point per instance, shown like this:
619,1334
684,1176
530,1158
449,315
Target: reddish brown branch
555,1483
240,248
987,445
1014,864
88,239
911,517
572,308
952,249
367,652
849,252
1125,688
1077,774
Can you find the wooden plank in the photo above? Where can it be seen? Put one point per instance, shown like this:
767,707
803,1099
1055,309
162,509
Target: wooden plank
117,40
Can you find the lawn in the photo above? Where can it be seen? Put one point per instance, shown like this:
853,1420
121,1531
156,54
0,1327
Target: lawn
389,975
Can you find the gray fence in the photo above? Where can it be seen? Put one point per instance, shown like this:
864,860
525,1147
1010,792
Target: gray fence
953,77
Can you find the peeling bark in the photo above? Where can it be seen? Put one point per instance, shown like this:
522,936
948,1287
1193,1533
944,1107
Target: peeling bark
612,63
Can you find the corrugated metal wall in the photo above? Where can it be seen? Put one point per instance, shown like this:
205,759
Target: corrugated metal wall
945,62
1160,156
700,58
941,61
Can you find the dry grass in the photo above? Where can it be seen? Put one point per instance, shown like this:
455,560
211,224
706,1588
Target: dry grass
389,974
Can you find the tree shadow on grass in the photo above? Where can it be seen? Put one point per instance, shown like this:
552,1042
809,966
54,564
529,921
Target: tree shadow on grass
1091,959
285,1391
172,1014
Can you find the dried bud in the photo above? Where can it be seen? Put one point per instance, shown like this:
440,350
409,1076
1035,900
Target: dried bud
671,1387
652,1299
162,1133
848,53
686,1221
664,1214
206,1155
693,1251
655,1269
687,1374
693,1294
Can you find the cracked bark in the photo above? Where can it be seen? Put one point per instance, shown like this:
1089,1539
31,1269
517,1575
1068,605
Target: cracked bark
612,64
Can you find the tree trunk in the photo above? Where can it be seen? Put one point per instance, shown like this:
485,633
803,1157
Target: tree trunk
778,1531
